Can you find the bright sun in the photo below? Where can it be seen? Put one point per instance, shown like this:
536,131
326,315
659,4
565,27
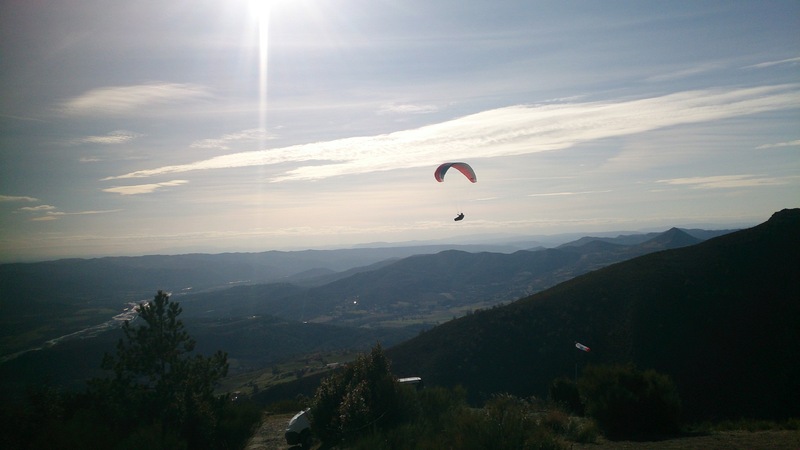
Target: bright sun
261,9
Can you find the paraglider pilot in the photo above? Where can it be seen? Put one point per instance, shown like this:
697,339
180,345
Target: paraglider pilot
460,216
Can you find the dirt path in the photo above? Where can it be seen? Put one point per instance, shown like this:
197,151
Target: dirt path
269,435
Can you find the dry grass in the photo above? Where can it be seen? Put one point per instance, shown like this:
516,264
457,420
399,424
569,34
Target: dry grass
716,440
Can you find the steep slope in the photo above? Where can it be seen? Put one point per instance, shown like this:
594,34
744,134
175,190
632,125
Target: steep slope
721,317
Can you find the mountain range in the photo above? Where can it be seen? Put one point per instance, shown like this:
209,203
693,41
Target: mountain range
426,289
47,300
721,318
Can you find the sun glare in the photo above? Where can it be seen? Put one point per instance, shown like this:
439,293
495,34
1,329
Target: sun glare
260,10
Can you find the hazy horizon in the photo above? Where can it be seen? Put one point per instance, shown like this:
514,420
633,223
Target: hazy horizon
500,239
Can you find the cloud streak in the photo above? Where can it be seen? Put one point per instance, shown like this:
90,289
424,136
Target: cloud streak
779,145
569,193
55,215
112,138
143,188
774,63
727,181
39,208
510,131
225,142
16,198
408,108
121,100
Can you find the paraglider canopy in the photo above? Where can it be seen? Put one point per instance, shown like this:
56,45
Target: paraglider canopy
460,166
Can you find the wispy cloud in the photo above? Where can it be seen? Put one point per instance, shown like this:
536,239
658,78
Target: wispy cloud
780,144
55,215
686,72
774,63
17,198
116,100
726,181
514,130
143,188
43,213
226,141
408,108
22,118
112,138
569,193
38,208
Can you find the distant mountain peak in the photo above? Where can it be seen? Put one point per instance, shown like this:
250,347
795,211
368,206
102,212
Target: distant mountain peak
672,238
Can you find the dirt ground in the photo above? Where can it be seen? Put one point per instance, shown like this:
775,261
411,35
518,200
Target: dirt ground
721,440
269,436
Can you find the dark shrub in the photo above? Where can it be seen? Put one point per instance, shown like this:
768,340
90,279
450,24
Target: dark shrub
564,393
628,403
361,398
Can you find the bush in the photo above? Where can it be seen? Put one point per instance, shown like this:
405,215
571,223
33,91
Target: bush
362,397
504,422
363,407
239,421
628,403
563,393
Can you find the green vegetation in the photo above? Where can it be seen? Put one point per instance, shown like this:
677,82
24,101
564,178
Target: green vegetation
363,407
157,381
363,395
159,396
307,365
627,402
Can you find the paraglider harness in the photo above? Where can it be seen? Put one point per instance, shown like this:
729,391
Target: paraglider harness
460,216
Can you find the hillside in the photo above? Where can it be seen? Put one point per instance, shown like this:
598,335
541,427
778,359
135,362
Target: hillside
46,300
721,317
429,288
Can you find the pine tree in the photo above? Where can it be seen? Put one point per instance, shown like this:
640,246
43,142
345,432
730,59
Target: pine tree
362,397
158,382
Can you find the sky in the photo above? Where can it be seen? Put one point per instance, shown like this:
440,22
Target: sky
177,126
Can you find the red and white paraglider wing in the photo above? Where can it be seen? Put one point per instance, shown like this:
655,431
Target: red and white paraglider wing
460,166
